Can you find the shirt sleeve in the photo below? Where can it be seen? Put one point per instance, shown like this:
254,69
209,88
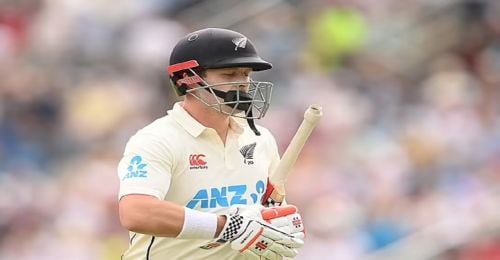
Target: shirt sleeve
146,167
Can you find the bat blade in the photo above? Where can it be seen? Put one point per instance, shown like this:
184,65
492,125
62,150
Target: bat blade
275,192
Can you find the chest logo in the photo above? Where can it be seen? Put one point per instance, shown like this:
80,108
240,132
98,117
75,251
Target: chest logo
196,161
225,196
247,152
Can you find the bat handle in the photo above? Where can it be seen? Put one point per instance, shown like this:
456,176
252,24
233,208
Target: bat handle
272,197
275,192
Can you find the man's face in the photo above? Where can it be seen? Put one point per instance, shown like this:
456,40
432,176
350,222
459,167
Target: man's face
232,92
239,74
227,76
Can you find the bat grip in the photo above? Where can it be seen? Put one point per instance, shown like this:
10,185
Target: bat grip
272,197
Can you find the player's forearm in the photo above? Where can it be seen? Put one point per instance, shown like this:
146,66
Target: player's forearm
221,221
148,215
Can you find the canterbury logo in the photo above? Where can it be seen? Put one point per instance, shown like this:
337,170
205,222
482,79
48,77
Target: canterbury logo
247,152
240,43
196,161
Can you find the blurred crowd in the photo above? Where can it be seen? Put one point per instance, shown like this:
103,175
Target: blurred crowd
409,140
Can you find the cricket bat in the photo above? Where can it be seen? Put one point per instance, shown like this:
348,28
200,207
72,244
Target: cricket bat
275,192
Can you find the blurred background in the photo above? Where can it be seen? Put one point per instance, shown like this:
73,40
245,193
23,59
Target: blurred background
405,163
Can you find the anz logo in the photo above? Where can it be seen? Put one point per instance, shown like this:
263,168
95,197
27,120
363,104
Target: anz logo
137,168
227,196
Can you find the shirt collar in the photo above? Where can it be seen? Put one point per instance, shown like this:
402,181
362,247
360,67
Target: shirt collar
194,127
236,124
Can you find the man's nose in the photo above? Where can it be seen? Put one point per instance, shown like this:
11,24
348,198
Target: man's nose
242,84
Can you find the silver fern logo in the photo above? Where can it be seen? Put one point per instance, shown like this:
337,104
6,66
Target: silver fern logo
240,43
247,152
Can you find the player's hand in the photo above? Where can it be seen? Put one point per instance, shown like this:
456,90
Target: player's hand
286,219
248,233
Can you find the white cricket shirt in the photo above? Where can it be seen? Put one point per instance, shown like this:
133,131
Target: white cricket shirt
177,159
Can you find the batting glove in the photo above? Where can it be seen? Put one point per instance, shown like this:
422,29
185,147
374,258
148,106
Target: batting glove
247,232
286,219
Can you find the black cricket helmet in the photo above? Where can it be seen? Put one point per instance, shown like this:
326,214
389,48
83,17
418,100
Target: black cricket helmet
214,48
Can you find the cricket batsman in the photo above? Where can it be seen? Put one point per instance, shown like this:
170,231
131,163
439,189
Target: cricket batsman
191,182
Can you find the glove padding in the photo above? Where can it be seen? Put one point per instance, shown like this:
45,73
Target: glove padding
286,219
248,233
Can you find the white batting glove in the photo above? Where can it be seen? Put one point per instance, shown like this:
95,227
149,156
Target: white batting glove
248,233
286,219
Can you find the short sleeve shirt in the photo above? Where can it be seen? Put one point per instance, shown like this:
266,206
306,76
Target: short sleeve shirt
177,159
